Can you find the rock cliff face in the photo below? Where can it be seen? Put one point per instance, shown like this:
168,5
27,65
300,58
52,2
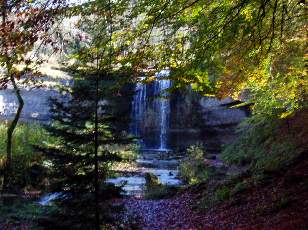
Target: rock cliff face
187,117
217,113
36,106
204,120
36,100
220,122
192,119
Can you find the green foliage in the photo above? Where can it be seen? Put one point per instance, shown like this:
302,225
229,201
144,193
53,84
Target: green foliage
105,32
27,164
193,169
260,146
24,211
196,152
227,47
278,87
25,136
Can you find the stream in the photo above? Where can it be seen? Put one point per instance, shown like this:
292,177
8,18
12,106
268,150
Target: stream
162,164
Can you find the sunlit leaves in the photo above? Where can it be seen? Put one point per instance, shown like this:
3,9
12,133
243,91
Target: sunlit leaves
244,45
24,23
237,45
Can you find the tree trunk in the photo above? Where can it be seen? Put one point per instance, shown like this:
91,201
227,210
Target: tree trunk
96,185
10,131
13,124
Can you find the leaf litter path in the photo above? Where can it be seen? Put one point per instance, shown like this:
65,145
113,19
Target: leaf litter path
164,214
277,206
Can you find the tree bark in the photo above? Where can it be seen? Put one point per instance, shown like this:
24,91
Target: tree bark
96,185
13,124
10,131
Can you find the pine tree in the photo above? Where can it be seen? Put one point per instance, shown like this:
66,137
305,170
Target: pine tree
83,123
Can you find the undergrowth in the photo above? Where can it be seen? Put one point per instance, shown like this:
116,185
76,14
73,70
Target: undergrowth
194,169
27,164
25,212
265,148
261,146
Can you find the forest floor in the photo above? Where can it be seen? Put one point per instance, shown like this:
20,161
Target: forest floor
281,204
278,203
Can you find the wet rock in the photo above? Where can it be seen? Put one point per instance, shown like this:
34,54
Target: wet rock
151,180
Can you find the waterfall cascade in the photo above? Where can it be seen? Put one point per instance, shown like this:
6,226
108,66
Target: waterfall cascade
160,106
139,105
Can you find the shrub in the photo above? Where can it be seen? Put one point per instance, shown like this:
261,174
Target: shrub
151,180
193,169
27,163
161,192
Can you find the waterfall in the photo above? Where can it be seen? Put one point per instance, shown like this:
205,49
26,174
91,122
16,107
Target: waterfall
160,106
138,109
150,116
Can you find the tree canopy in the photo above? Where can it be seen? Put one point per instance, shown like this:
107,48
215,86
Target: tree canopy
228,48
249,50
